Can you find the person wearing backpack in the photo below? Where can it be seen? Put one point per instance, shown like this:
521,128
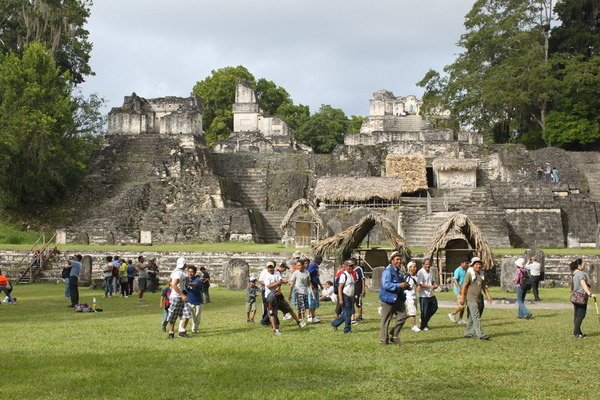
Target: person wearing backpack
523,281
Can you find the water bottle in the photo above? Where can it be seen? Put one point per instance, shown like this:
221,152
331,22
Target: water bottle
94,304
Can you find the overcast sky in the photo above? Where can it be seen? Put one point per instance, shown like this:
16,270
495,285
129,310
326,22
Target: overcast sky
335,52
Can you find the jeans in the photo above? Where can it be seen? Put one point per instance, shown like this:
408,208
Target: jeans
108,287
346,315
580,311
74,289
535,284
388,310
7,292
522,312
265,316
473,327
130,284
67,291
429,307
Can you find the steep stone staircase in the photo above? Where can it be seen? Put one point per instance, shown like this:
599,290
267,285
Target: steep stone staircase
419,228
588,162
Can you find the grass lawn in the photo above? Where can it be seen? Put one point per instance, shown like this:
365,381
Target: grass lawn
51,352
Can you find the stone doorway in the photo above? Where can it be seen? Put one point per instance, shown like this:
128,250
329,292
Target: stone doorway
456,250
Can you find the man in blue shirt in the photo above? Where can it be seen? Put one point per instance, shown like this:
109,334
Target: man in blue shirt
391,294
75,263
313,298
194,297
458,278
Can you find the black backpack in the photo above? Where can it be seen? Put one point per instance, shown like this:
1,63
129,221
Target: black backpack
525,279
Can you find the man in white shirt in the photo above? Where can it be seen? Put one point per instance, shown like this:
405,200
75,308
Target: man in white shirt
273,281
427,299
178,299
535,270
345,293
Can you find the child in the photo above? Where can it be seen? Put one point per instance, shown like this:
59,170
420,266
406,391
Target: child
301,284
164,304
251,292
329,293
411,294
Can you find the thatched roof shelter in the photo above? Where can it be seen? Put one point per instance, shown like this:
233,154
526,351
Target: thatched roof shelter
349,239
460,223
300,204
455,164
411,168
349,188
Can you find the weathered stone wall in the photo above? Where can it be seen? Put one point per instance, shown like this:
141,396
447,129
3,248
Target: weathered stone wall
540,227
451,179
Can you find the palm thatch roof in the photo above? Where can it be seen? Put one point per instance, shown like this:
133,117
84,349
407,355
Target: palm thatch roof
349,239
349,188
411,168
298,204
454,164
460,223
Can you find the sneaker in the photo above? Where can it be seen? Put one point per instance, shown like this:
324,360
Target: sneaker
529,316
395,340
171,335
334,328
287,316
277,332
425,329
452,318
461,321
354,322
415,328
183,334
126,296
302,324
164,327
309,319
379,310
484,337
315,320
359,319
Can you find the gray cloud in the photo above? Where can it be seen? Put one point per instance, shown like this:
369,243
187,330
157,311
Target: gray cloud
322,51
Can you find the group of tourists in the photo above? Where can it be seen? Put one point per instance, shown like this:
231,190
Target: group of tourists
119,275
547,173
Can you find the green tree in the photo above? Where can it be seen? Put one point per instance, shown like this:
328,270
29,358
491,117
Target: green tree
324,130
579,28
499,84
42,156
354,123
294,115
58,24
270,96
217,92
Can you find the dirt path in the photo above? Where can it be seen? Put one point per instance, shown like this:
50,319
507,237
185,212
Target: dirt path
509,303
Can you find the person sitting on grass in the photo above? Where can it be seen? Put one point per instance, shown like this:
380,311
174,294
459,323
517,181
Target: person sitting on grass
329,293
6,287
251,292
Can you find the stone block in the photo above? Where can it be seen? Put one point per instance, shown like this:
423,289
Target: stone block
237,274
377,272
61,236
146,237
85,277
507,274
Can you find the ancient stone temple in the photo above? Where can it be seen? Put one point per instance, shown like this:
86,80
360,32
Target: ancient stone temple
156,181
253,131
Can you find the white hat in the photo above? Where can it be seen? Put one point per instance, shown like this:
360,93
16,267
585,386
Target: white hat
180,263
520,262
475,260
410,264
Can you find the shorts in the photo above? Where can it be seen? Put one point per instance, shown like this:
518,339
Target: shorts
313,301
250,306
142,282
411,306
358,300
302,302
276,302
178,308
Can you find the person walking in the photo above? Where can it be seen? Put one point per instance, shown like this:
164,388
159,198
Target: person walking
582,290
178,307
108,278
6,288
472,295
391,294
205,285
458,278
522,281
427,300
313,296
411,295
535,271
142,270
194,297
345,291
301,283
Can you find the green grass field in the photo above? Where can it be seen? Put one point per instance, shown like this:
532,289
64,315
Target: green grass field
51,352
